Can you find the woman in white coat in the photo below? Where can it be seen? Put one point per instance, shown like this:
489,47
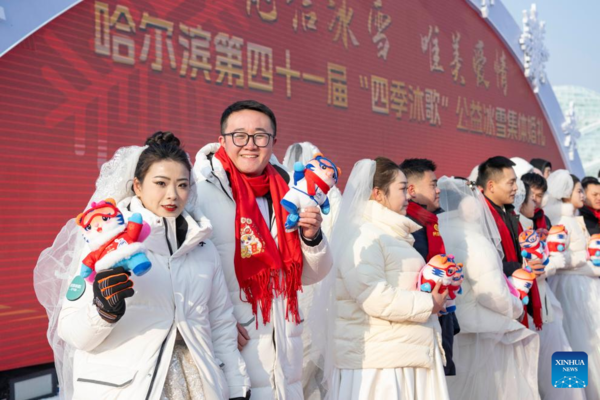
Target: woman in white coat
172,335
495,355
387,338
577,286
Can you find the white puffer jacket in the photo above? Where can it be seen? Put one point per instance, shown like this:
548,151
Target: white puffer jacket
274,352
486,304
382,320
576,255
182,292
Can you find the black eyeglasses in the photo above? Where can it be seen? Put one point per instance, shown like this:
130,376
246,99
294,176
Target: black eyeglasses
240,139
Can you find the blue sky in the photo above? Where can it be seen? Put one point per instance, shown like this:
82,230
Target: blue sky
572,38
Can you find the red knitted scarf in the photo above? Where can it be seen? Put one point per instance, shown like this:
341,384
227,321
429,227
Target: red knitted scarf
511,255
430,222
264,269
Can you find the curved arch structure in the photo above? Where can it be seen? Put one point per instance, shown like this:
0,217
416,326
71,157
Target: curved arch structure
506,27
20,19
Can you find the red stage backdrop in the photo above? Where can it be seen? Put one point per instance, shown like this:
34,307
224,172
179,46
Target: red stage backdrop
357,78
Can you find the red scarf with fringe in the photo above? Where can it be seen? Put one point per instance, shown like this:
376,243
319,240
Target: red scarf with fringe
511,255
430,222
264,269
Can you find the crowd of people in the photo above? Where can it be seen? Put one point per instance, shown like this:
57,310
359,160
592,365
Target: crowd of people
237,306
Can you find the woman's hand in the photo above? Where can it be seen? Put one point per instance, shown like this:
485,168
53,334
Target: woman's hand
439,299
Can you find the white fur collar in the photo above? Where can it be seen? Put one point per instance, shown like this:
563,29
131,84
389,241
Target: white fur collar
557,209
395,224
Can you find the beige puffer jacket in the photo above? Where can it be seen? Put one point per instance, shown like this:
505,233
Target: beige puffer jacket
382,320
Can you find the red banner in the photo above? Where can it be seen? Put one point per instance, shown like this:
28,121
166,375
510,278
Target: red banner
356,78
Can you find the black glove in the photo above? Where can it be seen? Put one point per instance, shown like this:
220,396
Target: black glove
111,288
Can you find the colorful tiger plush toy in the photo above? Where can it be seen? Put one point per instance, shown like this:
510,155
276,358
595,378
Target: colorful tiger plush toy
532,247
558,239
455,288
113,243
311,185
594,249
542,233
522,279
440,268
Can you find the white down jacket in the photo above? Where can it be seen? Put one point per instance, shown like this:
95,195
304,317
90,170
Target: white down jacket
382,320
576,255
184,291
274,353
486,304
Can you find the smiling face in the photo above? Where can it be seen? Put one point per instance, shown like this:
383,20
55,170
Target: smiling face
249,159
165,188
537,195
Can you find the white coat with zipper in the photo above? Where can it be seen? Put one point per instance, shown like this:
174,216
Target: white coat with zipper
184,291
274,352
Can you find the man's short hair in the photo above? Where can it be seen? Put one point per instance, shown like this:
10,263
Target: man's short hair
491,168
589,180
248,105
414,168
536,181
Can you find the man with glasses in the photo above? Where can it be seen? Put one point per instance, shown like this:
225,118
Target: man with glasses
240,187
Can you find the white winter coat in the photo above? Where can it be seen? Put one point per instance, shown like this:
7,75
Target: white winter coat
486,304
382,320
274,352
182,292
576,255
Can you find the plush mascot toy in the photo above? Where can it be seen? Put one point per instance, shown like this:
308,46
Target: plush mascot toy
522,279
594,249
112,243
311,185
439,268
533,248
558,239
454,288
542,233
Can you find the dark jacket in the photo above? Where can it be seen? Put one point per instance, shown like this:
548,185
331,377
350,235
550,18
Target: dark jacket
448,322
512,222
591,222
